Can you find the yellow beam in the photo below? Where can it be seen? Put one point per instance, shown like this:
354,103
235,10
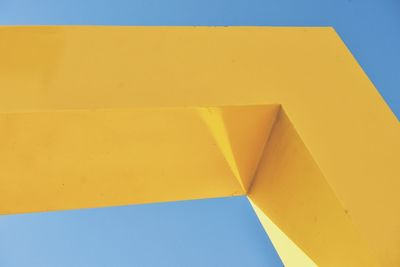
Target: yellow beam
349,131
291,190
92,158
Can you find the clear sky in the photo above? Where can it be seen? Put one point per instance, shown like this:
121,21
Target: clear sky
217,232
199,233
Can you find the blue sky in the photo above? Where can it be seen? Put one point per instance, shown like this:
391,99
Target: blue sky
216,232
198,233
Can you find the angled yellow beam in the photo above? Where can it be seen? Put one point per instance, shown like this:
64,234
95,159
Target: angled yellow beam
290,189
350,133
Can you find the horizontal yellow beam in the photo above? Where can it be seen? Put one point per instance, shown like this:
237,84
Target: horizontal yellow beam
93,158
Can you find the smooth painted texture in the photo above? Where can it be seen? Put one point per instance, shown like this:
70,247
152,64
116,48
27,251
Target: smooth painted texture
350,132
212,232
290,254
292,192
241,133
93,158
369,27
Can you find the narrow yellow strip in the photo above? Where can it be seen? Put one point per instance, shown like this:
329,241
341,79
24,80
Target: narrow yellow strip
213,119
290,253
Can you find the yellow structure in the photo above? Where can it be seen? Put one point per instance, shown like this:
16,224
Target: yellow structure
100,116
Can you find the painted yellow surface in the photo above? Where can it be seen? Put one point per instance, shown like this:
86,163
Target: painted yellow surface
288,251
290,189
93,158
52,160
350,133
241,133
